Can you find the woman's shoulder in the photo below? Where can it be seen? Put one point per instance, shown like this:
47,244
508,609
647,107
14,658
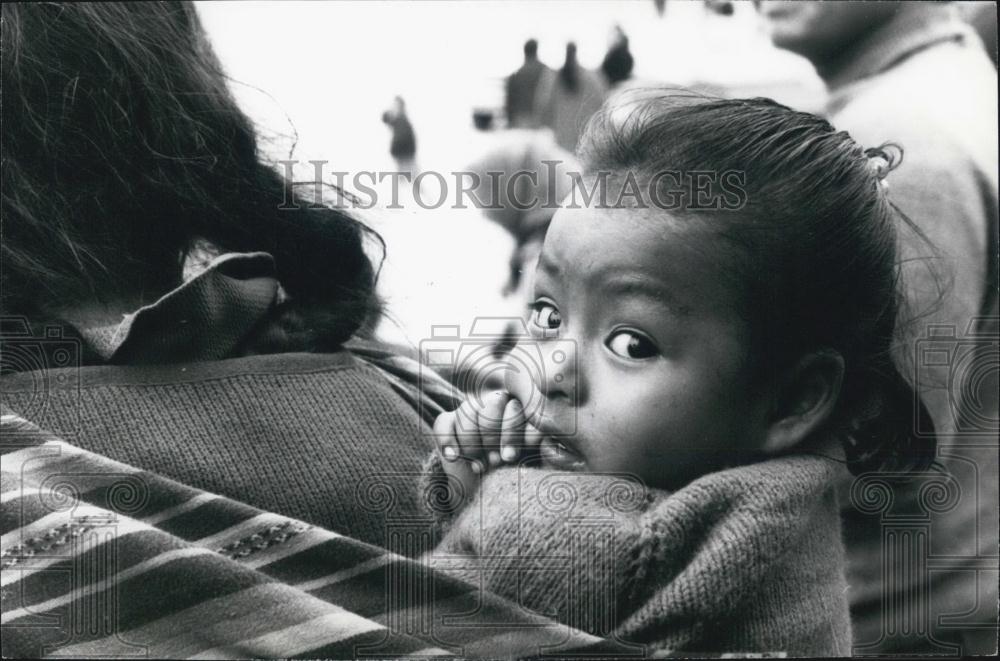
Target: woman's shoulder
423,388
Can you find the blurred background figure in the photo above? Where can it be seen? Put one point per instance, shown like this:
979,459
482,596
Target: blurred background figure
403,146
720,7
914,74
522,86
568,99
523,204
618,62
524,175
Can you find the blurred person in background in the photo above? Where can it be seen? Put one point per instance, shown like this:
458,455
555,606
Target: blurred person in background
568,99
720,7
523,204
914,74
403,146
618,61
522,87
524,176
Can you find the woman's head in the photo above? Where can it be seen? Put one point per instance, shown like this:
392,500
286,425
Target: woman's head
754,311
122,147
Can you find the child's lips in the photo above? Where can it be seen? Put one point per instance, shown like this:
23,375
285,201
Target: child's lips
556,449
557,454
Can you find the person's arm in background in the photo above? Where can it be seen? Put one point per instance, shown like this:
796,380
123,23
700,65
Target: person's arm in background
945,267
947,185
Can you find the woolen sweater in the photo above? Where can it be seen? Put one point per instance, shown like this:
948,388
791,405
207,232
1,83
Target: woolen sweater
748,559
302,435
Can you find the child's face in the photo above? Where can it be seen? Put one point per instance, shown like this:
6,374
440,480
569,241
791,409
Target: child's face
660,387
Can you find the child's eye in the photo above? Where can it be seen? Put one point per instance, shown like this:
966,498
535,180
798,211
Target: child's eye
630,344
546,316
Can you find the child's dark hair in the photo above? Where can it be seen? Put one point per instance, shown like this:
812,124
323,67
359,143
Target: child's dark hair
815,245
122,145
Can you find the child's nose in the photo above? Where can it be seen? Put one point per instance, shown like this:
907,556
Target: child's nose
539,371
558,377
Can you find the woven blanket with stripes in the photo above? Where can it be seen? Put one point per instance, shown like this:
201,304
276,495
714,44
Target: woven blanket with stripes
103,559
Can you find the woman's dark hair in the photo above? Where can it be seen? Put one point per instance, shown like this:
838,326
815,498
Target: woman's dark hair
812,240
569,74
122,146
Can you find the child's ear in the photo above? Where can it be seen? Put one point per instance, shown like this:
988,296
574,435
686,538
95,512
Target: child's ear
805,400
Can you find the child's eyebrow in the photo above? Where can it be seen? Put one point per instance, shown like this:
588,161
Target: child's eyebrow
546,264
639,286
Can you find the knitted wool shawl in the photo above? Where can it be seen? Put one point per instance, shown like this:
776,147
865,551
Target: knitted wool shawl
745,560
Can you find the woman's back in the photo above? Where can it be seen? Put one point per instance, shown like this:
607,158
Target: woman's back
320,437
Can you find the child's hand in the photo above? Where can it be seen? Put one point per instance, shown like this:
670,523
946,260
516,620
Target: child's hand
477,437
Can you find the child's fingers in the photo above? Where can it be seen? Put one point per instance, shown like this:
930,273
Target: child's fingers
512,430
532,437
467,432
489,421
462,483
444,435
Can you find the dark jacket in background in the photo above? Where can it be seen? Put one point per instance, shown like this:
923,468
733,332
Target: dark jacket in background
404,140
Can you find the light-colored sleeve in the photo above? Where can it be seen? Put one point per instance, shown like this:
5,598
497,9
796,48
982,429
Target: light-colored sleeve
941,108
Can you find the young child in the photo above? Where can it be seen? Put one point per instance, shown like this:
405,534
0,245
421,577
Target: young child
713,345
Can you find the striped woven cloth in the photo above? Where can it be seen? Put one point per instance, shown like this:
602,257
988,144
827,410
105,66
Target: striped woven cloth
103,559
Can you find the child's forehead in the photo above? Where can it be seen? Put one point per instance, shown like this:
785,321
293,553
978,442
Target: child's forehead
647,239
596,249
619,189
629,226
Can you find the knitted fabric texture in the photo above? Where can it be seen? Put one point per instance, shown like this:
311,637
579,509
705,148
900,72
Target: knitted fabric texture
748,559
317,437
